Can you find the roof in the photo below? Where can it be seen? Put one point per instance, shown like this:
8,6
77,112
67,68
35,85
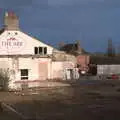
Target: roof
104,60
37,39
69,47
73,48
2,30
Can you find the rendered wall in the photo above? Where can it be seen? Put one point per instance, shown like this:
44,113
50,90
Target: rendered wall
59,69
35,70
17,42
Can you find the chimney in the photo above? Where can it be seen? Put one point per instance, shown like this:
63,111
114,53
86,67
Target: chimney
11,21
79,50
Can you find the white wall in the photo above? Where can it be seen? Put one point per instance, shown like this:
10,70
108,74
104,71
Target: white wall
39,70
59,69
108,69
20,43
32,64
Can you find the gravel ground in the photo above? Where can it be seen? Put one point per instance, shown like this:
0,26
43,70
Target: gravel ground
86,100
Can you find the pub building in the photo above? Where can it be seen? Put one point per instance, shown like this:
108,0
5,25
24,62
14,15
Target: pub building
27,60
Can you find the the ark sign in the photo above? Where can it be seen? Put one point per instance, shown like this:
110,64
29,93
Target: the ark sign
11,44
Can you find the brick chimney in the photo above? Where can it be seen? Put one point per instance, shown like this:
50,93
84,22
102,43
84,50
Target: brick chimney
11,21
79,50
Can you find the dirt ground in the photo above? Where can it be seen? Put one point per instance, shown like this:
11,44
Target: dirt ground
83,100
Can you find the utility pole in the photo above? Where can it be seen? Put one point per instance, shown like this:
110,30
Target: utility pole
110,49
78,46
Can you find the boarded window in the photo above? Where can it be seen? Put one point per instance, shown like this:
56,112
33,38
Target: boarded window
36,50
24,74
40,50
45,50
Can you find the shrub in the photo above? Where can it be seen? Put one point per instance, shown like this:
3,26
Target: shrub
4,79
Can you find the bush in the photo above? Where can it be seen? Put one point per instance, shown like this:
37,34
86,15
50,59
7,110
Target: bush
4,79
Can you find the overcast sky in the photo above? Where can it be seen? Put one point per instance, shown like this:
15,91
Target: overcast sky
92,22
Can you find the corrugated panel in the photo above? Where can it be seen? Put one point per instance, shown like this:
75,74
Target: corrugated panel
108,69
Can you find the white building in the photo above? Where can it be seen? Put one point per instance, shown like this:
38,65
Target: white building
27,59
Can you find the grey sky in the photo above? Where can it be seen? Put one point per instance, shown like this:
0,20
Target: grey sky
91,21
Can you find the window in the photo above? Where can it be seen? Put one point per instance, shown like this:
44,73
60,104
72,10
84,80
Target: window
36,50
24,74
45,50
40,50
16,33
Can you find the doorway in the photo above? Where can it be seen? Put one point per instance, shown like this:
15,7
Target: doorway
24,76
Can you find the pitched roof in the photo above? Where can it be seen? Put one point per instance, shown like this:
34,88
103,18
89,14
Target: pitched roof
104,60
73,49
2,30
